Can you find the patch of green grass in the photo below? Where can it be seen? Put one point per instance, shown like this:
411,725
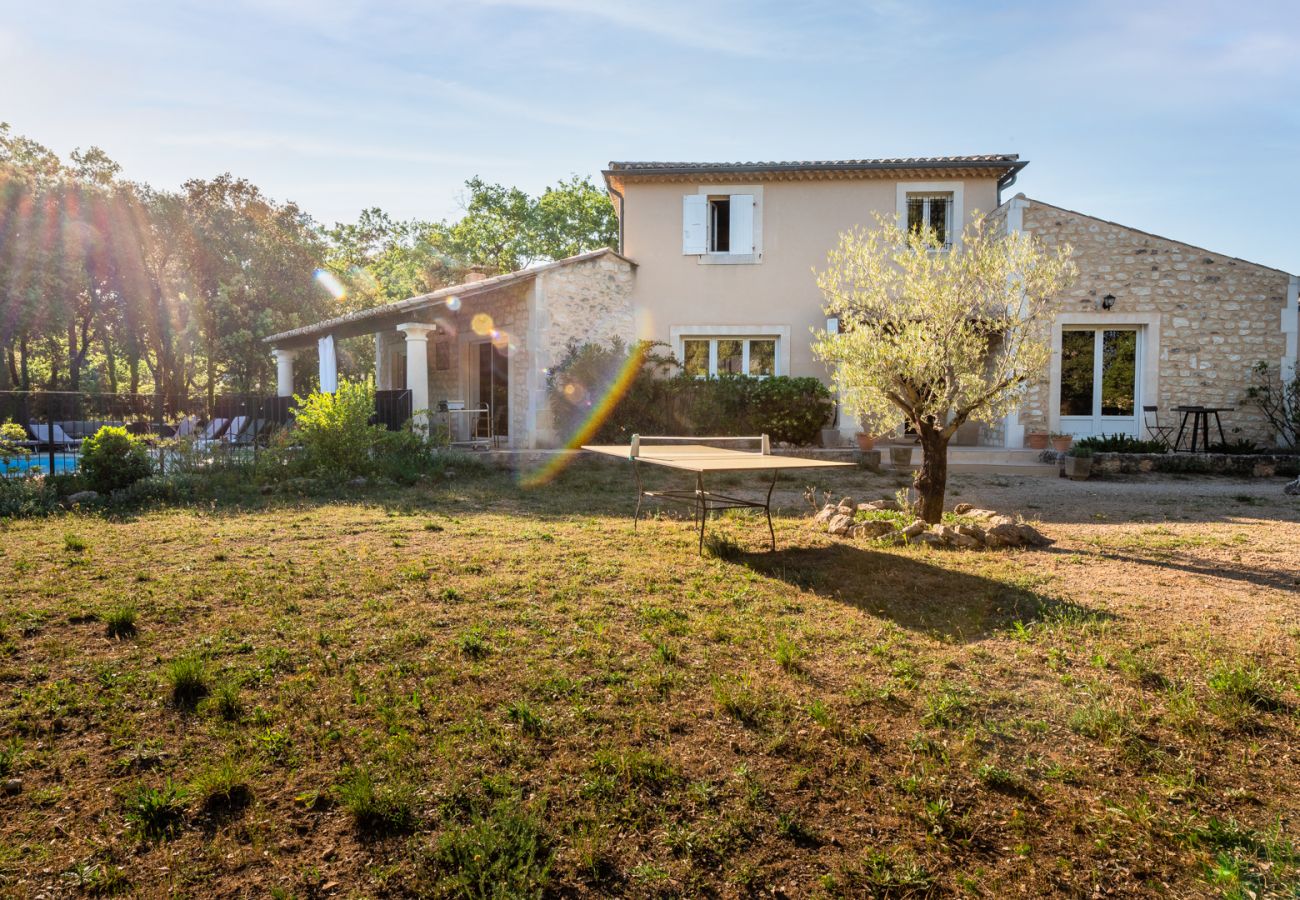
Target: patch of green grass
788,655
636,768
96,879
188,678
1102,721
503,855
225,701
378,808
882,875
1244,683
222,789
120,621
522,714
74,543
155,813
474,643
10,753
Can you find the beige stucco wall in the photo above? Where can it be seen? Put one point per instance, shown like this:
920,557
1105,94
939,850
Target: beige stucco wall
799,221
1209,317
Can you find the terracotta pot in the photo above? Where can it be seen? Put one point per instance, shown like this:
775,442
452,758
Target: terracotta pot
1036,440
865,441
1061,444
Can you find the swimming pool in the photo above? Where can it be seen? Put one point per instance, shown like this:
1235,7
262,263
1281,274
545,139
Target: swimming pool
35,463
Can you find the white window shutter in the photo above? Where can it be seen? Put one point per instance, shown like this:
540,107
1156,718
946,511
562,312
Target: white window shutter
742,223
695,224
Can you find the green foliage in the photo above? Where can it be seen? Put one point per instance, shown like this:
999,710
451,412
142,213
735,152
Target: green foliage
1238,447
22,498
652,397
120,621
222,788
504,855
1116,443
189,680
334,430
11,436
112,459
378,808
155,813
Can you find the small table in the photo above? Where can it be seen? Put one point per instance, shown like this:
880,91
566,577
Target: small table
1200,416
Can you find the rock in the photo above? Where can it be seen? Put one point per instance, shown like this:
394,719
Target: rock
846,501
826,514
840,525
873,529
1006,535
81,497
946,532
977,513
13,786
928,537
971,531
845,510
1032,536
1001,520
917,527
887,505
1292,489
962,508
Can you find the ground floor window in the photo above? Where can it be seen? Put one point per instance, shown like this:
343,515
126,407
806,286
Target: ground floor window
754,356
1099,380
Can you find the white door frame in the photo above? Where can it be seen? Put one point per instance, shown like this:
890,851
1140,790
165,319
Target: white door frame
1148,363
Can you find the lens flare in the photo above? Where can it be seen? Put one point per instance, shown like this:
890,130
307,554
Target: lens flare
482,324
453,303
600,409
330,282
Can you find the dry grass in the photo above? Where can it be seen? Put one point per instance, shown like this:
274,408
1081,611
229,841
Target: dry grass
490,691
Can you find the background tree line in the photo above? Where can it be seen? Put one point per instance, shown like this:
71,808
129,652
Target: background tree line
116,286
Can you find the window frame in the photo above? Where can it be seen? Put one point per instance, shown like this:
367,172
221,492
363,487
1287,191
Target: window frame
956,205
746,341
712,257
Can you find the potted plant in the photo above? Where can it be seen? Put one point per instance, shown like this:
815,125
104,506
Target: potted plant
1061,442
1036,440
866,436
1078,463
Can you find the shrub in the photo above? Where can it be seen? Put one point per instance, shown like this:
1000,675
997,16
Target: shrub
334,430
11,437
27,497
652,396
1117,443
112,459
120,621
189,681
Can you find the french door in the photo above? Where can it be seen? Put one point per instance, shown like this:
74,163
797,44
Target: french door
1099,381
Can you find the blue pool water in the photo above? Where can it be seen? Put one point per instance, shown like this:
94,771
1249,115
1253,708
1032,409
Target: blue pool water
33,463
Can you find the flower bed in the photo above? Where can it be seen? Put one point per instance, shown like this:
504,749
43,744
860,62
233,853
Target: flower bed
1248,465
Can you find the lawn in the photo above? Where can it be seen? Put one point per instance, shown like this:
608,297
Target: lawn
470,688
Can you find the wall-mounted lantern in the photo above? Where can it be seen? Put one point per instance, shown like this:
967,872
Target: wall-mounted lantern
1108,301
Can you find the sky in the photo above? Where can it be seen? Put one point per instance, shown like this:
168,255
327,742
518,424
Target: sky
1180,118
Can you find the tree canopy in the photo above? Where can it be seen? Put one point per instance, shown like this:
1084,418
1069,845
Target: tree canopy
937,337
112,285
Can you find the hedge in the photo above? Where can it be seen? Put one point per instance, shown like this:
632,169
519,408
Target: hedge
640,391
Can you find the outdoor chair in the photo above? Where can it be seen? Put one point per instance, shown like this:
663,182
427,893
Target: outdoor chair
209,436
42,435
187,427
1162,433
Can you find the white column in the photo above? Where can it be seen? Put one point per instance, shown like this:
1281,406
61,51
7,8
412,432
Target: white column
284,371
329,365
417,370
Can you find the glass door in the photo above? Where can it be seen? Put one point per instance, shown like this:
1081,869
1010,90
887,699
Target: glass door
494,385
1099,393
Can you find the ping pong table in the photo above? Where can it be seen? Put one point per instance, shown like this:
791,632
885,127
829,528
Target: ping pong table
703,459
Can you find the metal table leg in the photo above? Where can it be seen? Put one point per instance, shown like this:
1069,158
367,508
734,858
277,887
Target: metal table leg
767,509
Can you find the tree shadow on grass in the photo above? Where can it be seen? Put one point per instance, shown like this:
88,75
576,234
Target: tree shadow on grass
916,593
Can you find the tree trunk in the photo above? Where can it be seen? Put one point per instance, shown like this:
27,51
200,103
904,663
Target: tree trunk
932,479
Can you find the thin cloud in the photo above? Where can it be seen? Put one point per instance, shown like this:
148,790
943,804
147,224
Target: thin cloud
260,142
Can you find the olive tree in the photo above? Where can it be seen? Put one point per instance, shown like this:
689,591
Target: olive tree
934,336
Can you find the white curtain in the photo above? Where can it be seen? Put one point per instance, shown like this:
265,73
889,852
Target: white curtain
329,365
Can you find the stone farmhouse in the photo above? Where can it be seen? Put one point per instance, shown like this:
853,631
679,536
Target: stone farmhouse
716,260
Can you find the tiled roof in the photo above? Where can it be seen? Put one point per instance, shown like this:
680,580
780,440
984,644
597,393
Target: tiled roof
1005,163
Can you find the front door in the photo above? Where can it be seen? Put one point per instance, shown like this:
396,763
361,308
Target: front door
494,385
1099,386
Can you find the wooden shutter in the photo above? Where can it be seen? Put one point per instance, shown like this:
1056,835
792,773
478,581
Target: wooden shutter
695,224
742,223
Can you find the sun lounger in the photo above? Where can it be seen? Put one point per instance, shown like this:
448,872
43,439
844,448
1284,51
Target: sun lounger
42,435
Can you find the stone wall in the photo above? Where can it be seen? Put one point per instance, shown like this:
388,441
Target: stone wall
1217,316
583,302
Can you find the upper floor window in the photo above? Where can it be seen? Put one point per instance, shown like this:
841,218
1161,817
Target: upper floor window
719,226
933,211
